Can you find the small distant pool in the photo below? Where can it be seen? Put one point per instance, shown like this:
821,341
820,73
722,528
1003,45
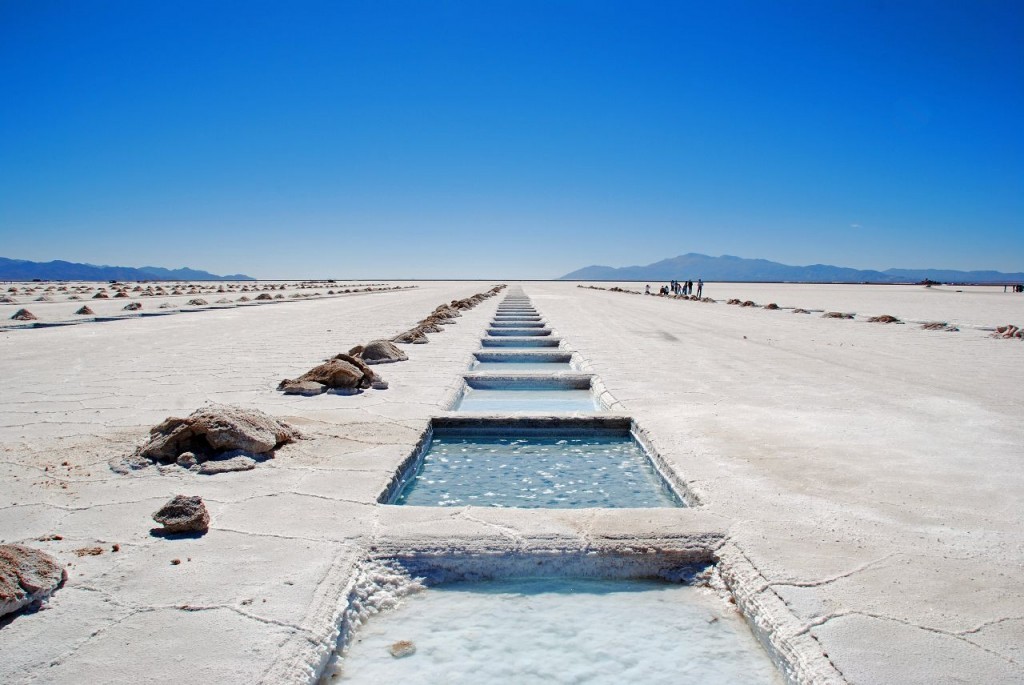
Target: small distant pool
521,367
520,341
534,471
527,398
559,630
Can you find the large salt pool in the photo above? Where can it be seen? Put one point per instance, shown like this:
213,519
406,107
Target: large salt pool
552,630
534,472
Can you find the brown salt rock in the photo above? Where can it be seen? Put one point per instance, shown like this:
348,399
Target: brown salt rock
381,352
884,318
836,315
771,305
344,373
305,388
413,336
85,311
24,315
133,307
183,514
939,326
27,575
1008,331
216,429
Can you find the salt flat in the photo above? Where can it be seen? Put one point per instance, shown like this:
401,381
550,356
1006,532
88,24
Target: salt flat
869,474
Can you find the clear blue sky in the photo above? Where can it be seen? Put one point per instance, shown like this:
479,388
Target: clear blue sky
510,139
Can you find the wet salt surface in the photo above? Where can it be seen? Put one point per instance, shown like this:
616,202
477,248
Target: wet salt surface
533,473
527,399
561,631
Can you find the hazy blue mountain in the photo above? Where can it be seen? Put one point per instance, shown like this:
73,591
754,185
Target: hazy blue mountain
24,270
729,268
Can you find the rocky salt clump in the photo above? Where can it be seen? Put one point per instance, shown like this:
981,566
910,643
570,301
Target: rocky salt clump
219,432
939,326
380,352
344,374
183,514
1009,331
85,311
27,575
836,315
24,315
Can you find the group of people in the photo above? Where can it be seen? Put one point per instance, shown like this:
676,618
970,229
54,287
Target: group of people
679,288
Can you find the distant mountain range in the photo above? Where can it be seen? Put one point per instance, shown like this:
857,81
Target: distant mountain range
729,268
24,270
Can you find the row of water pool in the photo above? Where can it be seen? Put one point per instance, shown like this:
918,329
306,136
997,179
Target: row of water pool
527,431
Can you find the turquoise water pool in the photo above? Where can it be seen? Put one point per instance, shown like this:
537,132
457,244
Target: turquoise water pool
533,471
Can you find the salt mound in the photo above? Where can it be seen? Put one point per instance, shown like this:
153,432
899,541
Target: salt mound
24,315
197,302
1009,331
214,430
748,303
344,372
798,310
771,305
382,352
836,315
884,318
183,514
733,301
939,326
414,336
85,311
26,575
133,306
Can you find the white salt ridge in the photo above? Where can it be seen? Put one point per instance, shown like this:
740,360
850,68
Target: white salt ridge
560,631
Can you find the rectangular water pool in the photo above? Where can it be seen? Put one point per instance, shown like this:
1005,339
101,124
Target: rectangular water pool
521,367
521,341
535,394
558,630
533,465
515,362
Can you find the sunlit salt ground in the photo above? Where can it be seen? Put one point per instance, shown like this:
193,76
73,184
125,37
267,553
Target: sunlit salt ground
527,399
537,473
561,631
521,367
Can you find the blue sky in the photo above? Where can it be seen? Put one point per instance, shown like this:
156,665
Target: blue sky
510,139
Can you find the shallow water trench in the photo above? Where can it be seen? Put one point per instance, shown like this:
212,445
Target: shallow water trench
555,630
546,629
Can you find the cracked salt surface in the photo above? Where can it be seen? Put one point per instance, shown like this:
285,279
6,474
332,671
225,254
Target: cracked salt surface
560,631
537,473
